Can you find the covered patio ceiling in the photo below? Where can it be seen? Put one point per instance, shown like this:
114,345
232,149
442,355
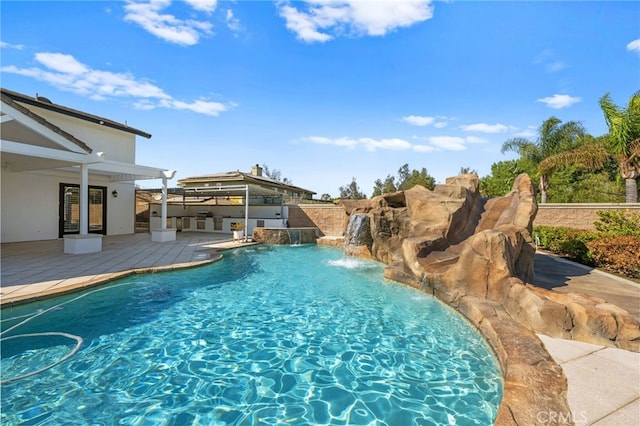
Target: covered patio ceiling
21,160
230,191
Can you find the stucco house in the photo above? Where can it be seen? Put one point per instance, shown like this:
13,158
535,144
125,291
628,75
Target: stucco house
68,174
255,179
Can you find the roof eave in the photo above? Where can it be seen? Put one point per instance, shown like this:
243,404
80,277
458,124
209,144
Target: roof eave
19,97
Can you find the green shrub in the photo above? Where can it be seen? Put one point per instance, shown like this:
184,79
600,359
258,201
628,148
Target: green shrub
614,223
619,254
566,241
614,246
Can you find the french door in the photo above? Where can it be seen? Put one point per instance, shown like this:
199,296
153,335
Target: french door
69,218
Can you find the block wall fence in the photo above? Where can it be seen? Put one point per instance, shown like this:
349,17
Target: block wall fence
331,219
578,215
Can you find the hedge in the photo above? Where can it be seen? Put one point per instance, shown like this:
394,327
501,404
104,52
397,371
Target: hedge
614,246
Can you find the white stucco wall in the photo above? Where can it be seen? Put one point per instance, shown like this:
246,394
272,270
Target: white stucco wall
30,204
121,211
118,145
29,207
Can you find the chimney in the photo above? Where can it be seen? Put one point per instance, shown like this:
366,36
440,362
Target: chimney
256,170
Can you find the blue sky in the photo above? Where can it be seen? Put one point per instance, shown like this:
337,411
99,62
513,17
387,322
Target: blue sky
325,91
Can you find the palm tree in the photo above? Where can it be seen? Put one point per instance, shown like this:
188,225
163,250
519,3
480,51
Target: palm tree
624,140
590,154
553,137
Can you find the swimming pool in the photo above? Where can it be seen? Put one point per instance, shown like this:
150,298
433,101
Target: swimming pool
268,335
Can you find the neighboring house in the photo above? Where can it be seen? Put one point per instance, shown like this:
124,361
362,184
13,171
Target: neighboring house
224,202
255,179
67,174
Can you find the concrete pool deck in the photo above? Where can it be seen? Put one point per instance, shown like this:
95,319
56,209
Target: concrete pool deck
603,383
35,270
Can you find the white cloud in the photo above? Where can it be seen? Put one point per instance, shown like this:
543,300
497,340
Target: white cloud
167,27
66,73
347,142
62,63
438,121
485,128
201,106
434,143
394,144
423,148
634,46
559,101
418,120
232,23
450,143
302,25
207,6
475,139
369,144
5,45
322,20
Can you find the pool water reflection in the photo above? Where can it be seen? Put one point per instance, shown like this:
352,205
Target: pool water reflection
268,335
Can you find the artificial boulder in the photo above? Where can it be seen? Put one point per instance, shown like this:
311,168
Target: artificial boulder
453,243
476,255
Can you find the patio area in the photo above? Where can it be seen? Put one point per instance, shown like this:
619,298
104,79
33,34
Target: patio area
37,269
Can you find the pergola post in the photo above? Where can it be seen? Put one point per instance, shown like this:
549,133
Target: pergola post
84,199
164,234
163,211
246,213
83,242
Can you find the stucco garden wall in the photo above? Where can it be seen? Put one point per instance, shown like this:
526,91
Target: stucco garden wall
329,219
578,215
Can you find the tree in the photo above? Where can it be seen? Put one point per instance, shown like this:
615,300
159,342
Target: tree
406,179
624,140
468,171
403,177
275,174
385,187
325,197
590,154
553,137
416,177
351,191
503,174
575,185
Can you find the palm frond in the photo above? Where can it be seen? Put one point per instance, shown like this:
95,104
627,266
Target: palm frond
563,137
634,150
623,123
548,127
515,145
591,156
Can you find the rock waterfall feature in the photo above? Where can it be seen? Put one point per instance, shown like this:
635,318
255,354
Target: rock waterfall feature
476,255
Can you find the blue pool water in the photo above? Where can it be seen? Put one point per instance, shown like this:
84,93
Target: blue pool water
269,335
